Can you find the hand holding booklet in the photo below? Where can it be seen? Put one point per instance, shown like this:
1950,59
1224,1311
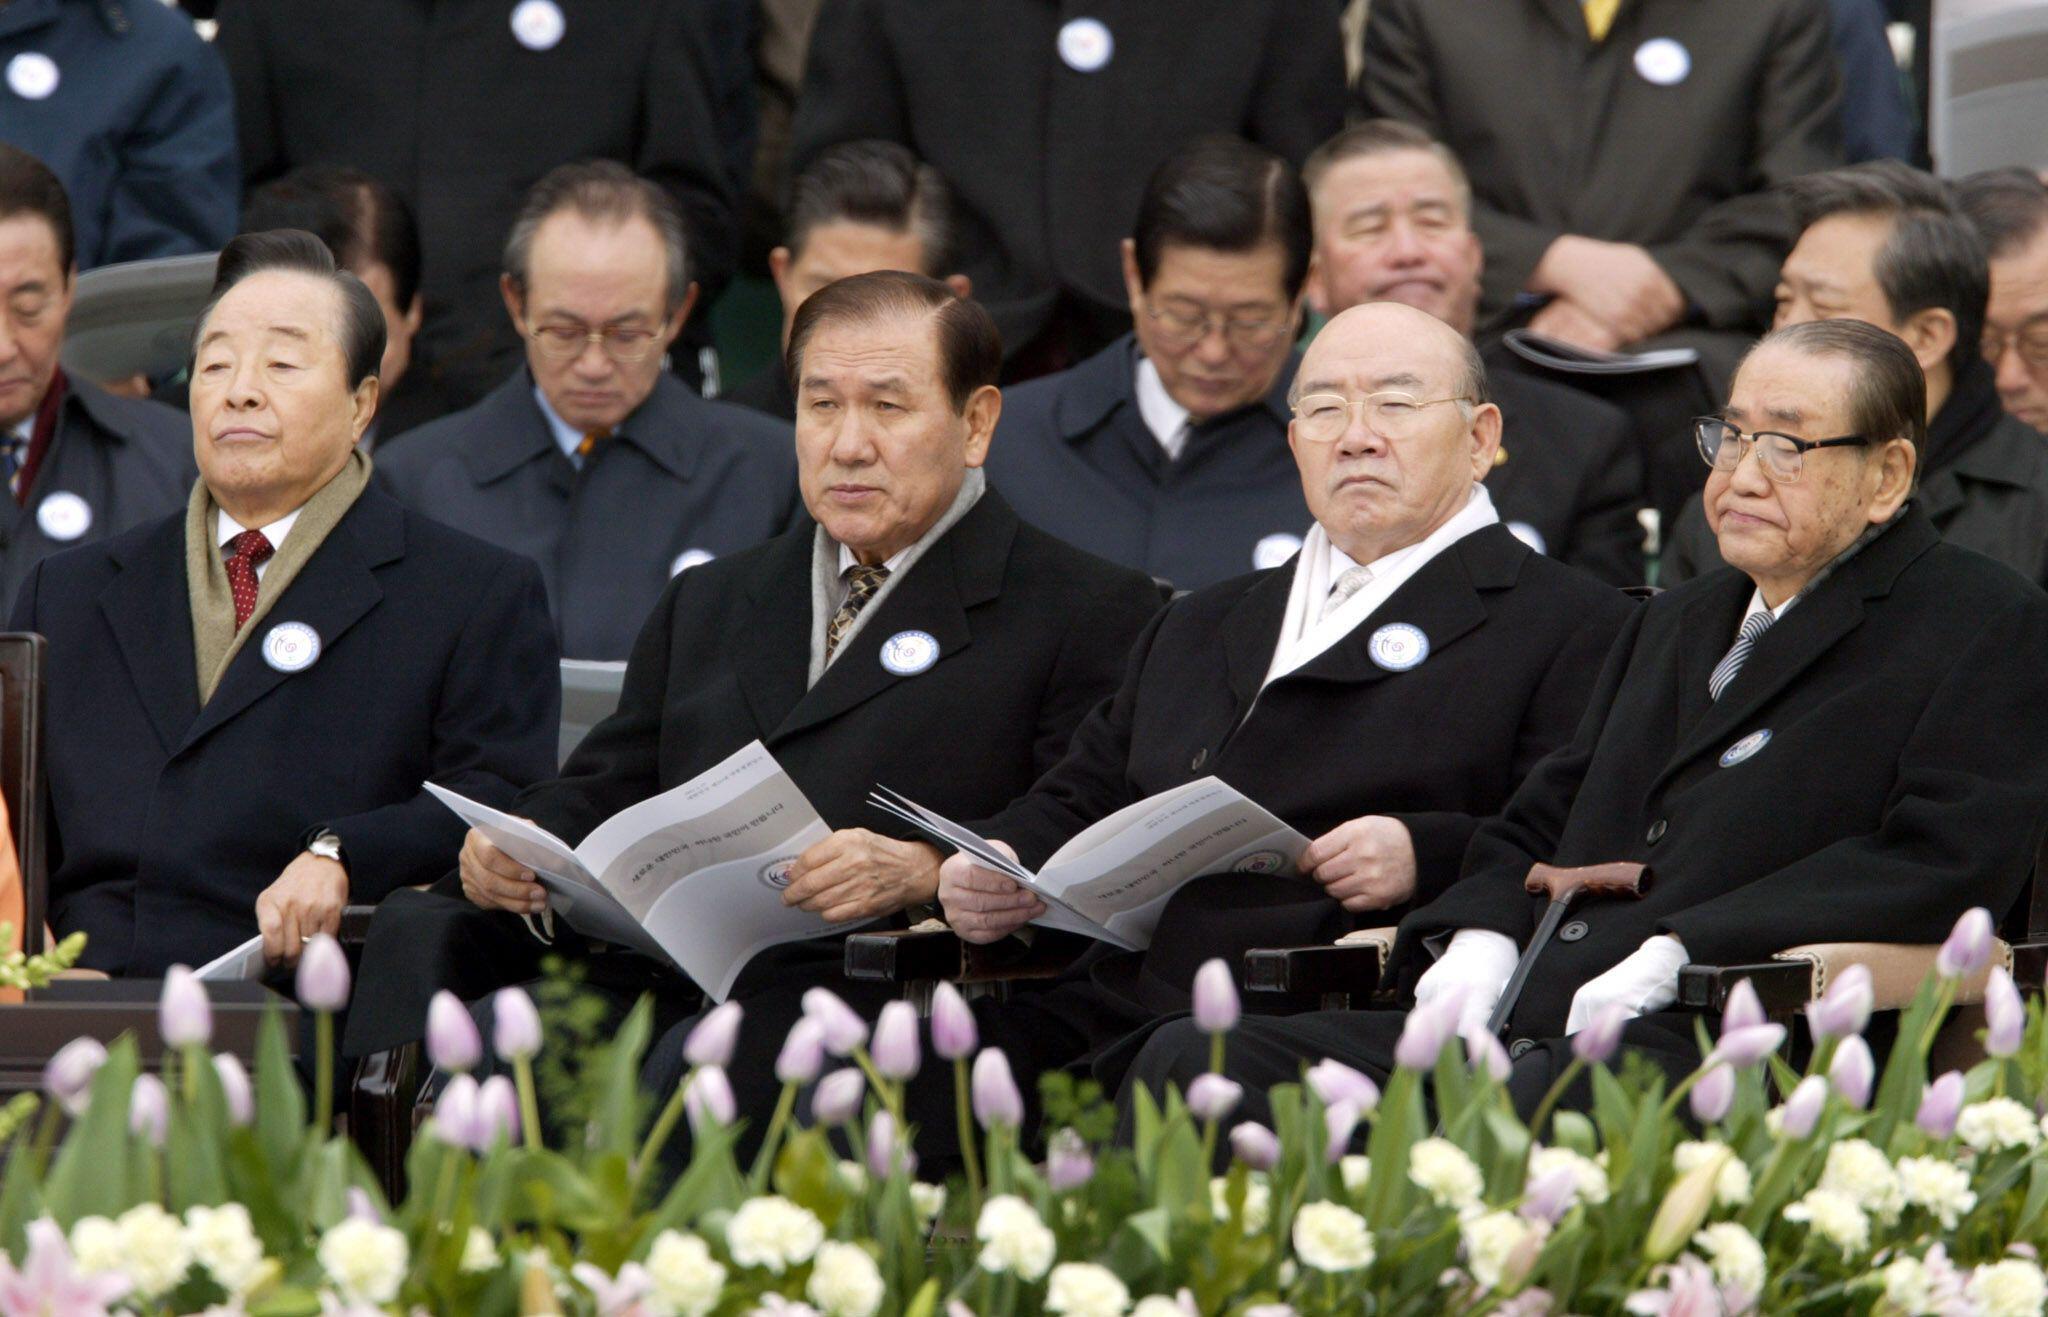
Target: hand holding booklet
693,876
1111,881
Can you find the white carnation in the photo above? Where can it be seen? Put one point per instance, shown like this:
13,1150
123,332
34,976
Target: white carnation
844,1281
223,1241
1491,1239
1442,1170
773,1232
1355,1170
2012,1288
1835,1217
1013,1238
1082,1289
1735,1256
1997,1123
1258,1201
1159,1305
96,1246
1731,1186
1858,1169
1332,1237
687,1280
854,1176
365,1259
1941,1187
928,1199
1589,1179
154,1252
479,1253
1907,1287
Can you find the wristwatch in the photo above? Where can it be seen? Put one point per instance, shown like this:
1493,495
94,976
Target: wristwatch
328,847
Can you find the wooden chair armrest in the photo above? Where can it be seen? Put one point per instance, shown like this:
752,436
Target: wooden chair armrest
1797,975
1352,965
931,951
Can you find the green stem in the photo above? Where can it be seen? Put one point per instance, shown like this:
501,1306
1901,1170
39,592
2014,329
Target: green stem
1550,1100
887,1090
764,1161
323,1074
189,1074
529,1102
1208,1151
46,1139
964,1119
1216,1053
664,1125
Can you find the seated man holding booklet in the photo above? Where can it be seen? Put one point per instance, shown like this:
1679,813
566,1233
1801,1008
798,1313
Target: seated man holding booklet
1381,694
918,635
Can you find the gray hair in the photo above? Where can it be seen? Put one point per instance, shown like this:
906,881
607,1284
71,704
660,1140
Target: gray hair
604,191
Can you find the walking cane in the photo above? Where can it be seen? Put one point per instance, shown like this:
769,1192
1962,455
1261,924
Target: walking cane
1620,878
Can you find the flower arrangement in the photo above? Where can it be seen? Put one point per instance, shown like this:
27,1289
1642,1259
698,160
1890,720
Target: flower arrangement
1744,1187
19,970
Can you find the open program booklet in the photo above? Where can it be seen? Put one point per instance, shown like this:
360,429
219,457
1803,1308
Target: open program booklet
1111,881
693,876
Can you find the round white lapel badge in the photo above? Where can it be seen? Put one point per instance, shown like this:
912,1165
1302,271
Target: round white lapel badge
1274,550
32,75
1085,44
1663,61
64,516
1528,535
291,647
1745,748
1397,646
908,653
689,558
538,24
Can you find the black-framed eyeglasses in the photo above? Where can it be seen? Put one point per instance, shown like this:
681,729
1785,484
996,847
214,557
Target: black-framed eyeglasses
1782,456
2030,340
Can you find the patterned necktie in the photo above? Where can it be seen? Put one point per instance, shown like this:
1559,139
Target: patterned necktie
13,450
250,548
1724,672
862,582
591,439
1350,583
1600,16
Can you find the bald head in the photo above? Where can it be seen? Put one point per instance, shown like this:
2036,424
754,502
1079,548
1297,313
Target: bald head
1420,349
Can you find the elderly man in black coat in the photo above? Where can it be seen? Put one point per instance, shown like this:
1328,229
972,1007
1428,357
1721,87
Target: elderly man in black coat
245,698
1836,738
1383,693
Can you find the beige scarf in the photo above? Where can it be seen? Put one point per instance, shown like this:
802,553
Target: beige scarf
215,638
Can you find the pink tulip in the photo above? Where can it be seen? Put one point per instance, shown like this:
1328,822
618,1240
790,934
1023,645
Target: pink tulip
69,1075
1211,1097
1854,1071
149,1109
456,1120
803,1052
1713,1094
323,977
882,1144
184,1011
895,1046
713,1037
953,1029
453,1042
1801,1111
1746,1045
1068,1163
996,1099
2004,1014
1844,1008
235,1088
708,1096
1595,1044
836,1100
1340,1122
1549,1196
49,1280
1255,1146
1742,1008
843,1028
1968,947
1335,1082
1484,1053
1940,1106
497,1111
1428,1027
1216,1004
515,1025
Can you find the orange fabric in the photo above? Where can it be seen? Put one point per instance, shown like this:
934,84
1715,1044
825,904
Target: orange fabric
12,907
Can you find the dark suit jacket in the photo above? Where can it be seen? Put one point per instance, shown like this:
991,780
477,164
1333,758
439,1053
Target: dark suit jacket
1577,140
681,477
1904,778
767,393
167,820
1075,457
1515,643
1048,163
1571,482
130,461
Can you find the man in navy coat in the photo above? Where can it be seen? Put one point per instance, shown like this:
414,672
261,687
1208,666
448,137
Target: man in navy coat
245,699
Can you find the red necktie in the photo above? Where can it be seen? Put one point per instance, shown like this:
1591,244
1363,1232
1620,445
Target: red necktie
249,548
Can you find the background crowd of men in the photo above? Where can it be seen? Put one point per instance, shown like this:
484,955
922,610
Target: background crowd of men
1217,392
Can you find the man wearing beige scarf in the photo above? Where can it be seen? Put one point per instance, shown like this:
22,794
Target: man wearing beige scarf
246,698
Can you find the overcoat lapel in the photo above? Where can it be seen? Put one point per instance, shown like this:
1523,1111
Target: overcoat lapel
772,652
148,610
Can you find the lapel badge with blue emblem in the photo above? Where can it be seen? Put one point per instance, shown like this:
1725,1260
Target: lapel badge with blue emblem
1398,646
1746,747
291,647
908,653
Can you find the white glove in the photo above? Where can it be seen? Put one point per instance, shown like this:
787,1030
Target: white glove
1477,964
1646,980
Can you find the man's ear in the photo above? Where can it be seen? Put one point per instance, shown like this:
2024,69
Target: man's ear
1134,287
1318,293
364,403
413,314
984,409
1485,436
962,286
779,261
515,302
682,313
1931,333
1896,462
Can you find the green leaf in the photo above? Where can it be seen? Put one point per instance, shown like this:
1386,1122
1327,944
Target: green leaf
806,1173
1572,1130
92,1174
618,1108
925,1302
1397,1126
280,1105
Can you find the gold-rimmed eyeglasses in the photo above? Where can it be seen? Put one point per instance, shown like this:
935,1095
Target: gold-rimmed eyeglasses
1323,418
1187,328
622,343
1782,456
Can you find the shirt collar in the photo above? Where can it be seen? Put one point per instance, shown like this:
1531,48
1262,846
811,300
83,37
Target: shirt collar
26,429
1165,418
567,437
1757,605
972,486
275,532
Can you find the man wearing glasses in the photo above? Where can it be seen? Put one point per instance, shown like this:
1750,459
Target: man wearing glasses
1167,450
1839,740
2010,209
1382,693
593,460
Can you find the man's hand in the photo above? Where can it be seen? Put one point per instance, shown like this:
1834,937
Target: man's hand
1616,284
1645,981
307,898
496,881
857,874
1366,864
983,905
1567,322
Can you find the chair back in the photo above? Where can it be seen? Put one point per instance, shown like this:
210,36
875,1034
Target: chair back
590,694
1989,86
22,656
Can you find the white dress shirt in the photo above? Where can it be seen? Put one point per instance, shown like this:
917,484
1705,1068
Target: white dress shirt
1757,605
275,532
1165,418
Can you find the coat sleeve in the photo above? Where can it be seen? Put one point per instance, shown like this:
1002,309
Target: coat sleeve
494,731
852,89
1299,101
1727,262
1961,826
177,184
680,133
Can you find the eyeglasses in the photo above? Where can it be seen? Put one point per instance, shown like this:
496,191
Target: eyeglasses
622,343
1323,418
1782,456
2031,342
1183,329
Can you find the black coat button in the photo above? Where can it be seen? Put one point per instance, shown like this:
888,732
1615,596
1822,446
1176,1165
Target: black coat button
1573,931
1656,832
1518,1048
1201,757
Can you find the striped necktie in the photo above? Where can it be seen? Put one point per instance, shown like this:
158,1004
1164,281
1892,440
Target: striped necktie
1350,583
13,452
862,582
1731,663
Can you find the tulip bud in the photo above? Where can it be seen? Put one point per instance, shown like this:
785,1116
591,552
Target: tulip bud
881,1144
453,1042
1745,1045
68,1077
708,1096
1255,1146
1484,1053
235,1089
323,977
1844,1008
895,1047
1212,1097
996,1099
456,1119
1423,1034
1968,947
1940,1106
712,1038
1068,1163
149,1109
1742,1008
360,1208
1216,1006
836,1100
1685,1207
1595,1043
1335,1082
2004,1015
497,1111
515,1025
1713,1094
843,1028
1550,1195
184,1011
1854,1071
1801,1111
1340,1122
953,1030
803,1052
